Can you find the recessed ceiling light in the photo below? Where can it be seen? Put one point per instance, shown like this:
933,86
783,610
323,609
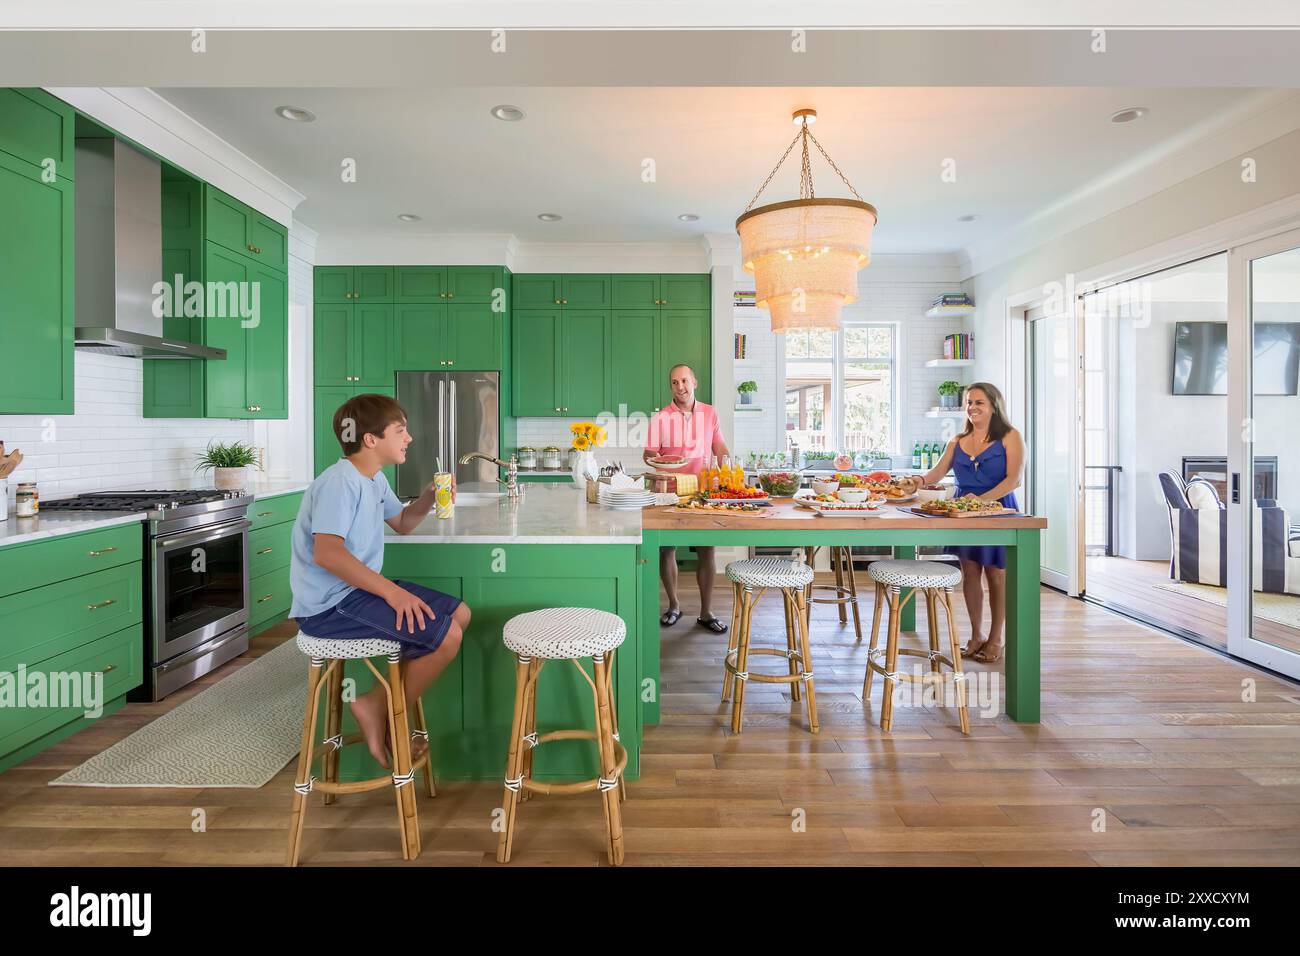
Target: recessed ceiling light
549,216
408,217
295,113
688,217
511,114
969,217
1128,115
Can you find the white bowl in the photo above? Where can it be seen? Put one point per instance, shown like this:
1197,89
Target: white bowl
854,495
824,486
926,494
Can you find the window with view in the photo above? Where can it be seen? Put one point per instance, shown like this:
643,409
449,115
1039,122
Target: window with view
840,388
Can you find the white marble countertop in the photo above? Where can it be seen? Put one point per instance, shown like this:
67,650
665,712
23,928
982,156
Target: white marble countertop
18,530
545,514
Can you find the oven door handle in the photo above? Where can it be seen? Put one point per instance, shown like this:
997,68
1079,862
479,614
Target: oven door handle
200,535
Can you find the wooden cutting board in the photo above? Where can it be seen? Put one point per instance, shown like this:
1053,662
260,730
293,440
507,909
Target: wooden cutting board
965,514
699,513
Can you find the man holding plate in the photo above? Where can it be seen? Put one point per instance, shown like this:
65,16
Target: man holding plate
683,436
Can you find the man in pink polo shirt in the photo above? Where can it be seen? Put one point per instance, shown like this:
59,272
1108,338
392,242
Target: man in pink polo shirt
688,429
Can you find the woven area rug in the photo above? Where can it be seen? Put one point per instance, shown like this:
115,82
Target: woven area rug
1281,609
239,732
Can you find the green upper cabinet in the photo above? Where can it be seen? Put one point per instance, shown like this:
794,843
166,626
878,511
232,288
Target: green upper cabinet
684,340
225,392
372,349
472,337
418,337
635,381
418,284
37,131
584,363
635,291
174,389
332,284
343,284
689,291
476,285
372,284
536,357
37,249
353,344
332,345
241,228
266,374
585,292
536,291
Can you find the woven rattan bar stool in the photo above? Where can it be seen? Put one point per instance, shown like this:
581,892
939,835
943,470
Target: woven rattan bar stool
845,586
750,580
326,670
936,581
565,634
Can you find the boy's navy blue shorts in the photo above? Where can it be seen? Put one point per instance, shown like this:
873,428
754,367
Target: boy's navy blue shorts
362,614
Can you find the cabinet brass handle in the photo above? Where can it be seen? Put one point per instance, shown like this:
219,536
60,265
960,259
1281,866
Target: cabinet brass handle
265,514
95,554
110,667
265,551
96,607
251,247
451,361
451,295
557,301
263,600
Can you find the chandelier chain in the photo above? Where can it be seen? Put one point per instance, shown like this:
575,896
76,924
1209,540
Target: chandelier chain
779,162
831,163
806,190
805,173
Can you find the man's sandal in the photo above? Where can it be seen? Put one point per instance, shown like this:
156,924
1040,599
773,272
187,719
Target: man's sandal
669,618
713,624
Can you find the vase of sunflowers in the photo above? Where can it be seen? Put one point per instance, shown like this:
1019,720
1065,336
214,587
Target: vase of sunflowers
587,436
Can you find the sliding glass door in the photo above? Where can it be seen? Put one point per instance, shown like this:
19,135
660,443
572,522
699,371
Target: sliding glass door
1052,443
1264,454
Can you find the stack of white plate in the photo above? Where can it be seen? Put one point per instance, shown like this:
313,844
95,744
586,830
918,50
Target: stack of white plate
626,499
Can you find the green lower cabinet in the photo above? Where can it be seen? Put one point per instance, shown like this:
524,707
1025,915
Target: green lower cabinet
326,447
470,707
269,599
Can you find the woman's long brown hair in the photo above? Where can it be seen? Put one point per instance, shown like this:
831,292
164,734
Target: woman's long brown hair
998,424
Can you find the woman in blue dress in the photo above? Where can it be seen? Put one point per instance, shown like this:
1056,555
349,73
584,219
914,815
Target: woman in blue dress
987,459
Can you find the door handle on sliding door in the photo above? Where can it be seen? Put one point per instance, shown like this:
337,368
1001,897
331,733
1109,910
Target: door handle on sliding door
1236,487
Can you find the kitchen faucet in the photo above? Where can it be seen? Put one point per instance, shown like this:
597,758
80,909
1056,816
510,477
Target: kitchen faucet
511,481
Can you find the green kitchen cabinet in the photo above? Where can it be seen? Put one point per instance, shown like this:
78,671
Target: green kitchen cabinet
240,228
419,284
633,291
418,337
267,371
372,284
269,554
252,382
636,384
451,336
332,285
225,382
325,402
476,285
584,369
585,292
37,250
685,340
353,344
685,291
344,284
536,363
535,291
174,389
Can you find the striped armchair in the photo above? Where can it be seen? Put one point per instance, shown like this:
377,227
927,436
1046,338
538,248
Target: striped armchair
1198,532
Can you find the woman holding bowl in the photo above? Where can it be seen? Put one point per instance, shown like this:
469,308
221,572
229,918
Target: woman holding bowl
987,459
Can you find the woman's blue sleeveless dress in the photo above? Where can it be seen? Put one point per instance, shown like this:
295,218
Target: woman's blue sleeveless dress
975,476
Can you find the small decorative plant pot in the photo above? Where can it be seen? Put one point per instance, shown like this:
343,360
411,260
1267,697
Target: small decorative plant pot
948,401
230,479
747,398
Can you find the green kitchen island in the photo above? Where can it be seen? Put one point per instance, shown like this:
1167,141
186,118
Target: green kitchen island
550,548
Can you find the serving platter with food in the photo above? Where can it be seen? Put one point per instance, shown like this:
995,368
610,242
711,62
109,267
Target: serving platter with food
966,507
669,461
732,496
747,509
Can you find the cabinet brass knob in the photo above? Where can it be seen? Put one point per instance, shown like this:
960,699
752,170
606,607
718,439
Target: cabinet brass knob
96,607
110,667
265,514
451,295
95,554
266,551
265,598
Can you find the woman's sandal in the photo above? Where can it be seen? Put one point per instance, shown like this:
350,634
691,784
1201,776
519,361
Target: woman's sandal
669,618
969,652
989,657
713,624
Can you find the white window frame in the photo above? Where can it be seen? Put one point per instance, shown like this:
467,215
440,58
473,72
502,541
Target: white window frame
894,361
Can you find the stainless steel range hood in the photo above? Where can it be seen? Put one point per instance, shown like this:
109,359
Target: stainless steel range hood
119,254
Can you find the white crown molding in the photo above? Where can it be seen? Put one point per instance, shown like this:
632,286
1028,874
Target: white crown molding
407,249
687,256
153,122
1256,121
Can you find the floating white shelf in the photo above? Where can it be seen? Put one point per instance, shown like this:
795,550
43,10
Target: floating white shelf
949,363
749,408
937,412
946,311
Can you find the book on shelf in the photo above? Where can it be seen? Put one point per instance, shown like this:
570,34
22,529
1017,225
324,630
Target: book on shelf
740,345
745,298
952,300
957,346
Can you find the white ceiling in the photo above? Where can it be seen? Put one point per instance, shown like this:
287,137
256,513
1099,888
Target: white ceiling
580,151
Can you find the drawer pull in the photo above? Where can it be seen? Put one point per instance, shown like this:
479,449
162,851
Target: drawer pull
265,514
95,554
96,607
265,551
263,600
110,667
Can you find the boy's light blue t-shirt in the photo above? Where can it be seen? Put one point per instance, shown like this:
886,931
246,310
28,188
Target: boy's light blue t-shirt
344,502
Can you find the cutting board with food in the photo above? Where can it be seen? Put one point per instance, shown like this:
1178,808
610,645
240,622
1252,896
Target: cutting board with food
962,508
715,509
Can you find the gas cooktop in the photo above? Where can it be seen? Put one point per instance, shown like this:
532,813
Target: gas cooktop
138,500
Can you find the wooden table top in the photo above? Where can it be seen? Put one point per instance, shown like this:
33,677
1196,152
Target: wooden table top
786,516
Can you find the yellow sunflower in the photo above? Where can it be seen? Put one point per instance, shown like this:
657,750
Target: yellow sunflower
581,442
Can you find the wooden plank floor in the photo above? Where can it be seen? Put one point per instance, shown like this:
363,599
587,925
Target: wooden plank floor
1132,585
1144,732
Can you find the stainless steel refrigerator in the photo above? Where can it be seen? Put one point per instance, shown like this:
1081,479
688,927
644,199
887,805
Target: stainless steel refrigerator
449,414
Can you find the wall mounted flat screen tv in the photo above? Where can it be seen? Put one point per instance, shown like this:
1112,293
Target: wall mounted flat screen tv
1201,358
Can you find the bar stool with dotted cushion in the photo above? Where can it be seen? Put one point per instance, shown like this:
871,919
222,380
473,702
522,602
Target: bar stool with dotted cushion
845,586
750,580
936,581
564,634
326,670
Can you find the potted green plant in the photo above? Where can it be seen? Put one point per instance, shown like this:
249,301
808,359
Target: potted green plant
228,463
747,390
949,393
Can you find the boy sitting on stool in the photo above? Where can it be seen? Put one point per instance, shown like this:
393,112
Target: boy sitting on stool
338,551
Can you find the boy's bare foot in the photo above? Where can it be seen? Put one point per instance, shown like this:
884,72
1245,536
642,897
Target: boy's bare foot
372,720
418,747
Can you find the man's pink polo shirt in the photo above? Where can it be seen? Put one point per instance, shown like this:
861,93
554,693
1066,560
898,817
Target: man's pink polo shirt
690,435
